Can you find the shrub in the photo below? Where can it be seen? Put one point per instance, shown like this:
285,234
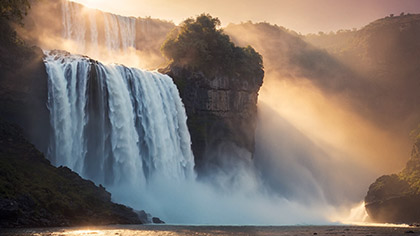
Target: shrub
14,10
199,45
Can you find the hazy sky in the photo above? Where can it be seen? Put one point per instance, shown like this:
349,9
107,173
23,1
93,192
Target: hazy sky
305,16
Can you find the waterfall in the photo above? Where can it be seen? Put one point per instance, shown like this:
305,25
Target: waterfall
114,124
90,29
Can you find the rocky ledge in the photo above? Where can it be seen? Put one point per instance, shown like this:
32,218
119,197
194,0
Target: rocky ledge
396,198
33,193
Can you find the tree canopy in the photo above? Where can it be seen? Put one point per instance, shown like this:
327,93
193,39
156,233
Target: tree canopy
198,44
14,10
416,133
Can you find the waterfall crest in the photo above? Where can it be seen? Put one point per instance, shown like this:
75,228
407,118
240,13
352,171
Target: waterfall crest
114,124
90,29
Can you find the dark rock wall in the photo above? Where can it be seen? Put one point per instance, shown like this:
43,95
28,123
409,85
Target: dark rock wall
33,193
396,198
24,88
222,114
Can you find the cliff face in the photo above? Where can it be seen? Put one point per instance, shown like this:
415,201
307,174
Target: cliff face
34,193
396,198
221,112
23,87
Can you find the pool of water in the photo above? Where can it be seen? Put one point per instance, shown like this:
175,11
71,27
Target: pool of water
169,230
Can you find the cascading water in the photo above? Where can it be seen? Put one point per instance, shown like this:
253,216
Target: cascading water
116,125
90,29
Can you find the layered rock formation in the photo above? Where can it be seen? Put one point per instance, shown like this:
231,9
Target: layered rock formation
221,112
395,198
34,193
218,83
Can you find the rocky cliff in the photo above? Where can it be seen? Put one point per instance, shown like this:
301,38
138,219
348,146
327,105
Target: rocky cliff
396,198
221,112
23,87
218,83
34,193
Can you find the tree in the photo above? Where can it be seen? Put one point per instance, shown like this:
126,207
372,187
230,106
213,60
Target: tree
200,45
14,10
415,133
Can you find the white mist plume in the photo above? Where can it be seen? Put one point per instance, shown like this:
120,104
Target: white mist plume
301,173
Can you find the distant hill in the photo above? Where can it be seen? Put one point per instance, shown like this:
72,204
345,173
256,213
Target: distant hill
375,68
386,52
388,44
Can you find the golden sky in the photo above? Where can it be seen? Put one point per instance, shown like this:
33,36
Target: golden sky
305,16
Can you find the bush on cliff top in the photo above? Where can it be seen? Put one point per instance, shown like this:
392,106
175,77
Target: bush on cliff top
199,45
415,134
14,10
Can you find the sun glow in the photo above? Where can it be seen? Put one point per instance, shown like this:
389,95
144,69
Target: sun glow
332,125
358,216
82,232
91,3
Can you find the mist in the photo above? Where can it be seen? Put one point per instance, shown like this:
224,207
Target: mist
309,143
325,131
245,201
320,140
302,16
109,38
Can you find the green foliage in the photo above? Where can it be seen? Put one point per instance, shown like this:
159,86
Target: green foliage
415,134
14,10
199,45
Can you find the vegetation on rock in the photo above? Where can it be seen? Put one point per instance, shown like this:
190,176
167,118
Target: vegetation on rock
393,198
14,10
23,85
218,83
11,45
199,45
34,193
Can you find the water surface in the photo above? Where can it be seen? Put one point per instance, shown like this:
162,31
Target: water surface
169,230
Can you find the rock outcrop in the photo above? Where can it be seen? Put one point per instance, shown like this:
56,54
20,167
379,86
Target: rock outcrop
396,198
23,87
221,112
218,83
33,193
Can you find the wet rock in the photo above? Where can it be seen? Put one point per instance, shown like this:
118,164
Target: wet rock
156,220
145,218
